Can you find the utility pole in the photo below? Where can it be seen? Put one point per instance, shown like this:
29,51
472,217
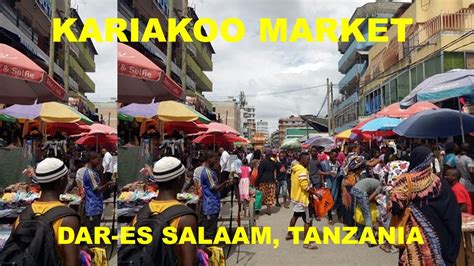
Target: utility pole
183,56
332,113
51,42
66,51
329,106
169,45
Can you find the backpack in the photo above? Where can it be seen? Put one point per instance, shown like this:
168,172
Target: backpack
156,253
32,242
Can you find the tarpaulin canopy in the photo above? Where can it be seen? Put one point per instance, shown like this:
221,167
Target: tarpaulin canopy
454,83
50,112
140,80
23,81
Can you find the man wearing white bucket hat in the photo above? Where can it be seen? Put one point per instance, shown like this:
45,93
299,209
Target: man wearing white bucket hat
168,174
44,216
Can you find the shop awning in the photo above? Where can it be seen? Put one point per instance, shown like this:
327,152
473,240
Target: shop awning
23,81
142,81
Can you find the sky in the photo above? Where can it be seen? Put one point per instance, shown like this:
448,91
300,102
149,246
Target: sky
259,69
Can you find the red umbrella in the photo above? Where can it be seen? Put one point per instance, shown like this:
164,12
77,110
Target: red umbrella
97,128
214,127
219,139
100,139
69,128
419,107
392,110
23,81
140,80
357,128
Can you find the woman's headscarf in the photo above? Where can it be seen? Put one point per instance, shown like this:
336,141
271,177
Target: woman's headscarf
420,180
450,160
420,158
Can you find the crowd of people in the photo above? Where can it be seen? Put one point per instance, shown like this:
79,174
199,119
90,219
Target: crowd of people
423,186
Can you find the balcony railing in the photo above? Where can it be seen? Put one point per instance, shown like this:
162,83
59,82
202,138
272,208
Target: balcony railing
348,58
203,55
85,82
450,22
353,73
203,81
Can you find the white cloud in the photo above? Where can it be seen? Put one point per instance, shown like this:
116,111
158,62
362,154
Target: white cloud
250,65
254,67
105,75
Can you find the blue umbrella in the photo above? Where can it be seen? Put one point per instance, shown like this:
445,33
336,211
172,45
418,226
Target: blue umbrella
381,124
454,83
440,123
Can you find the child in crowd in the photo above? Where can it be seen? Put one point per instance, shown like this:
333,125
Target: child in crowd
244,183
452,176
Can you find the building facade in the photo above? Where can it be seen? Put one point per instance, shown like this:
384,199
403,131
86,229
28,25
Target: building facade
441,39
198,56
262,127
248,125
228,112
291,122
25,25
354,62
107,112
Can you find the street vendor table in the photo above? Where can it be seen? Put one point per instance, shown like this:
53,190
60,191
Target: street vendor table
466,252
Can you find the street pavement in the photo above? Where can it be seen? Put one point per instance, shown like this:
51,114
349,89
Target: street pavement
289,254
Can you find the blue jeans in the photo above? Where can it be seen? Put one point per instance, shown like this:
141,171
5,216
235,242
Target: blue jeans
361,198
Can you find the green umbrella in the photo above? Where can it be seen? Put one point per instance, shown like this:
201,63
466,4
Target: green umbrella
124,117
201,117
7,118
291,144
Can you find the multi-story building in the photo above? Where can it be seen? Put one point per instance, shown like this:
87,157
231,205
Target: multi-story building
262,127
440,39
354,62
198,55
275,139
25,25
107,111
228,112
290,122
248,125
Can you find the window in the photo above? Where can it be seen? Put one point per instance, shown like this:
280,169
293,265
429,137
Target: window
393,91
386,94
433,66
403,85
470,60
453,60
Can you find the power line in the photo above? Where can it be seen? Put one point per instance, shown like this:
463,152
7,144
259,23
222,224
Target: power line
459,39
271,93
322,105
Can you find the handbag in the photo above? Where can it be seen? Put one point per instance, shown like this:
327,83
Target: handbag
324,205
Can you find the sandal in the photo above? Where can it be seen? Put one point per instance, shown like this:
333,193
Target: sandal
310,246
289,237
